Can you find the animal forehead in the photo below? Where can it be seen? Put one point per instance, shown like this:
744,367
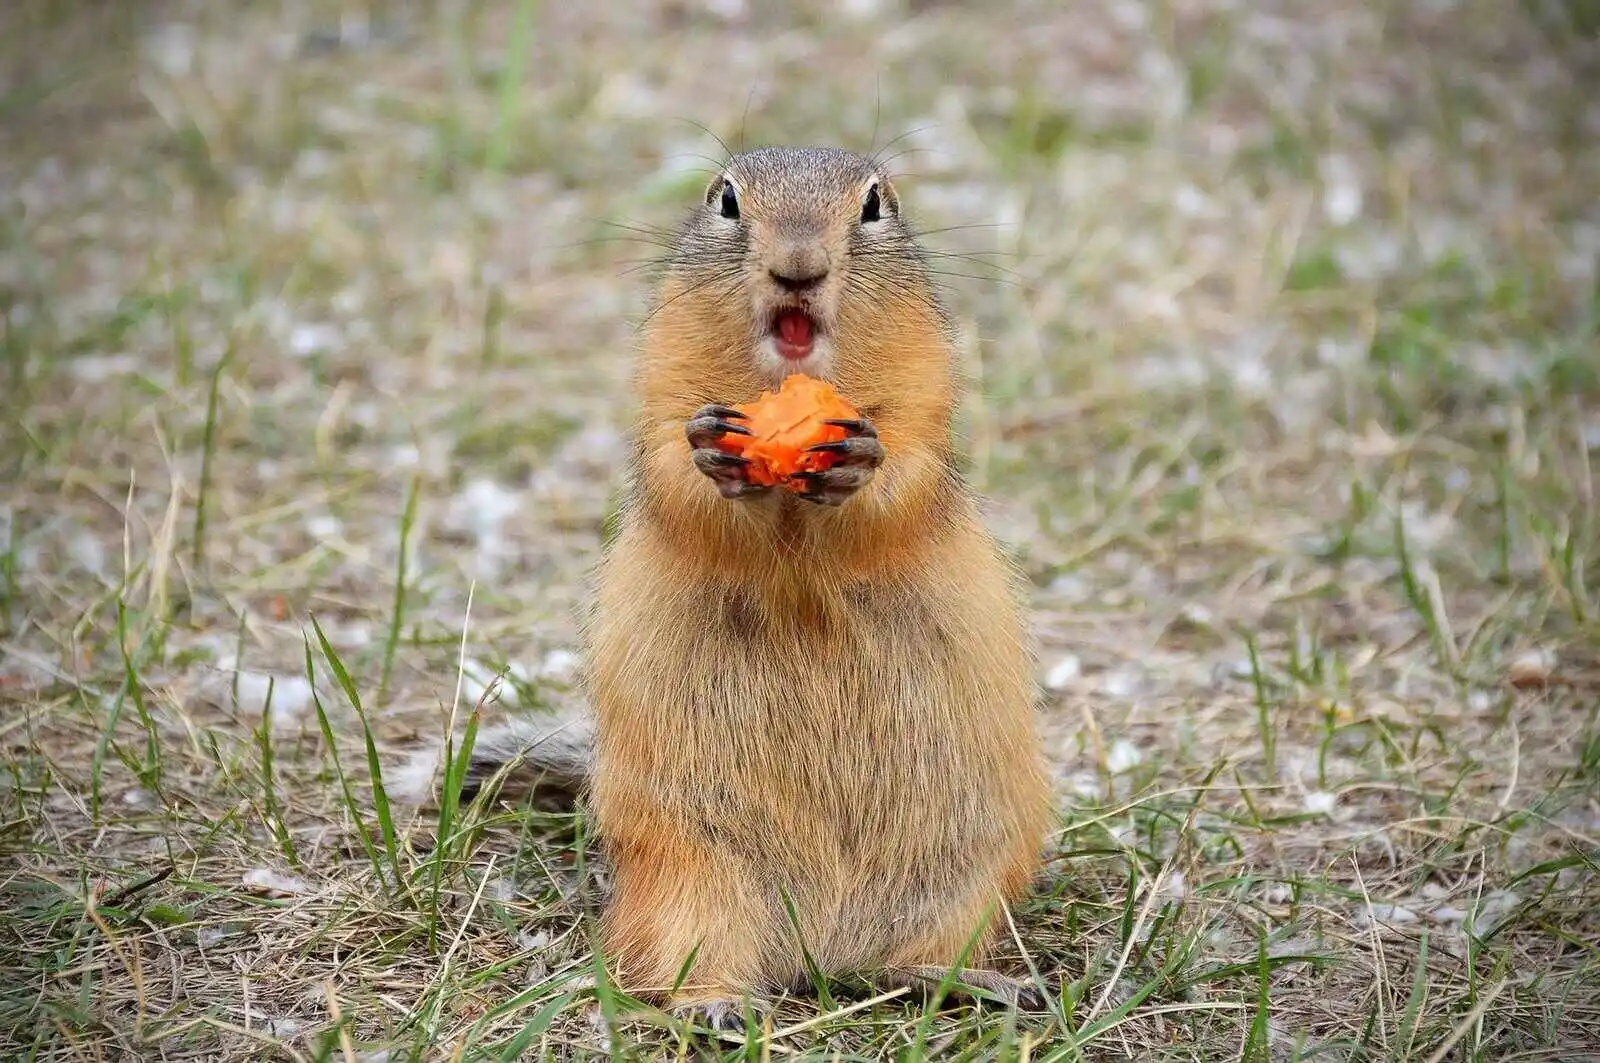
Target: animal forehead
817,176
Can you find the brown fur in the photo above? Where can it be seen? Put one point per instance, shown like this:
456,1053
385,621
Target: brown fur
828,703
831,702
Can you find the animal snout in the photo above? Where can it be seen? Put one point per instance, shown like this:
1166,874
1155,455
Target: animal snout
798,269
797,284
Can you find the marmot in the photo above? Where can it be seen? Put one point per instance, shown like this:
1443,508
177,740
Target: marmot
823,699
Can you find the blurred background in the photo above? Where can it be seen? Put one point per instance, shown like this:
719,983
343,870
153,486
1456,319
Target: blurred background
1202,235
1280,319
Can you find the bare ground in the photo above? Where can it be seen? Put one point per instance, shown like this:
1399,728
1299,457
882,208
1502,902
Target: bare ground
1281,320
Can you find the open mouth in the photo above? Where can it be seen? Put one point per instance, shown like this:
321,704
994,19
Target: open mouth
794,333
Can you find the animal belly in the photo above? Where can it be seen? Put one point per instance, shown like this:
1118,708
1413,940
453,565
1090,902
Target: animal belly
853,793
867,769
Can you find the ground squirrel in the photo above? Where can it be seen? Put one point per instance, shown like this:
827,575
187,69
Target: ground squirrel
822,700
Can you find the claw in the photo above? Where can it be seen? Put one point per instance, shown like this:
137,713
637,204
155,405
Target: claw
723,1016
705,428
817,493
841,447
725,428
860,427
722,412
848,477
725,1020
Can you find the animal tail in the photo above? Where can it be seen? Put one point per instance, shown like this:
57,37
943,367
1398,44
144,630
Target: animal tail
550,757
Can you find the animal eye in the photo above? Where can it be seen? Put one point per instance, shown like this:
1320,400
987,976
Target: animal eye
872,206
730,200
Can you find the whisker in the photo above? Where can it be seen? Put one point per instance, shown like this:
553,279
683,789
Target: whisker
715,170
700,285
881,162
923,233
651,230
727,151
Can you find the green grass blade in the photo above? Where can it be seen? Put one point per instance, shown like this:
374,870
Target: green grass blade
269,783
818,980
512,72
348,794
1265,725
1410,1018
380,798
103,746
1256,1043
685,967
919,1045
456,764
397,609
150,770
538,1024
208,450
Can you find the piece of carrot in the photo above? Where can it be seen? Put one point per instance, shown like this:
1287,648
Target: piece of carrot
783,424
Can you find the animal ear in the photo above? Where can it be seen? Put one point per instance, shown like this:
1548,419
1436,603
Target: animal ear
888,197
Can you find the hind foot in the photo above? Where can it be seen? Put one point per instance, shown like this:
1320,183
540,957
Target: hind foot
991,984
725,1015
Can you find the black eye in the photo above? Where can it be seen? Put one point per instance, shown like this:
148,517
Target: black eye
730,200
871,207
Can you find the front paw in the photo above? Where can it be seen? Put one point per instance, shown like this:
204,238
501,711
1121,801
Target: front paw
855,459
730,472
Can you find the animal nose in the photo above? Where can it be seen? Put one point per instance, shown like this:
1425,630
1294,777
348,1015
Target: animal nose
789,282
798,265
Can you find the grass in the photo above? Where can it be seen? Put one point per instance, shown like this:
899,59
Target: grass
316,383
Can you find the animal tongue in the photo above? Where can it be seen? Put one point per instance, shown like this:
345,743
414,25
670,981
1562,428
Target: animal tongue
795,328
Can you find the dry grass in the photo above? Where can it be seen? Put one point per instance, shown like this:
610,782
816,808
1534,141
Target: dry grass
1287,397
